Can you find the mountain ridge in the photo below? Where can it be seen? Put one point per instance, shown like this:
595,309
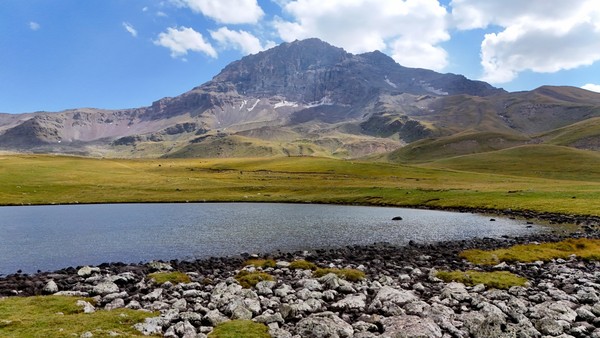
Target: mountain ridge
309,98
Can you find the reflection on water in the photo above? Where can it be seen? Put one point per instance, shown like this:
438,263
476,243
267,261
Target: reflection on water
53,237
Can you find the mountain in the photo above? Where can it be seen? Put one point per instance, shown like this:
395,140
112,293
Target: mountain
310,98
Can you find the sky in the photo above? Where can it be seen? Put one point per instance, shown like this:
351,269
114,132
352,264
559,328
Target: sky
115,54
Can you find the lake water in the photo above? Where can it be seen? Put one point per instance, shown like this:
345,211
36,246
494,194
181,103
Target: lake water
53,237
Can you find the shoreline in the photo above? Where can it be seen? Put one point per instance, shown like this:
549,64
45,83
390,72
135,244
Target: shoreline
552,217
400,288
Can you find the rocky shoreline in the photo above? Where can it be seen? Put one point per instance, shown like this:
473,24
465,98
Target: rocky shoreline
400,296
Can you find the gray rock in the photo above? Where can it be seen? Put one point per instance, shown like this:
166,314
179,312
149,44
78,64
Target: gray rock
408,326
180,305
72,293
115,304
192,317
324,325
283,290
351,302
310,284
87,271
112,296
134,305
560,310
185,329
485,323
150,326
87,307
265,287
455,291
549,326
214,318
269,317
160,266
388,295
50,287
154,295
279,333
104,288
241,312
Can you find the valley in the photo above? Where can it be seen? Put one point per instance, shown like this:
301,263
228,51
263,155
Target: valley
530,178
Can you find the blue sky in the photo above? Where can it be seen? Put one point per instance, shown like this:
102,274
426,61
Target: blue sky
62,54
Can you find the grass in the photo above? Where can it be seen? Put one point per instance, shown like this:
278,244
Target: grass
175,277
584,248
240,329
45,179
58,316
352,275
302,264
496,279
261,263
250,279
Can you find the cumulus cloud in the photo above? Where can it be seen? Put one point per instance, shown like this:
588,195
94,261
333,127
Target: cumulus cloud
540,36
34,26
226,11
182,40
409,30
239,40
592,87
129,28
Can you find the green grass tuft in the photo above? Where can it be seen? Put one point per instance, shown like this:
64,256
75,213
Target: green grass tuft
249,279
59,316
352,275
175,277
496,279
588,249
240,329
260,263
302,264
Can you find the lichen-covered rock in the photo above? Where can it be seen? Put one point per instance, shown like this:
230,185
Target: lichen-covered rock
324,325
409,326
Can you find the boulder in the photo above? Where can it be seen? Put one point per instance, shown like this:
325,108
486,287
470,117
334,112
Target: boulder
87,271
324,325
351,302
409,326
105,288
388,295
50,287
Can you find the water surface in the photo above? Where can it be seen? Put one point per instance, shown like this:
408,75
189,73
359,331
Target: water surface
53,237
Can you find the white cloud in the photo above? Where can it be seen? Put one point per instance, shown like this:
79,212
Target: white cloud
240,40
34,26
592,87
226,11
410,30
128,27
183,39
541,36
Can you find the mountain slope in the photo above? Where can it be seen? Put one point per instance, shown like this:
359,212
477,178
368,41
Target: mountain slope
310,98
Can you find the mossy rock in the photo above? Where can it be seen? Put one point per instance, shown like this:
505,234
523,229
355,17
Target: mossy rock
250,279
352,275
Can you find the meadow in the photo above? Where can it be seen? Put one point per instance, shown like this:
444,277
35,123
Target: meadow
500,182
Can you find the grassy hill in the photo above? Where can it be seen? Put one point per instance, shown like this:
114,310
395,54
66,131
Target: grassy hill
547,161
